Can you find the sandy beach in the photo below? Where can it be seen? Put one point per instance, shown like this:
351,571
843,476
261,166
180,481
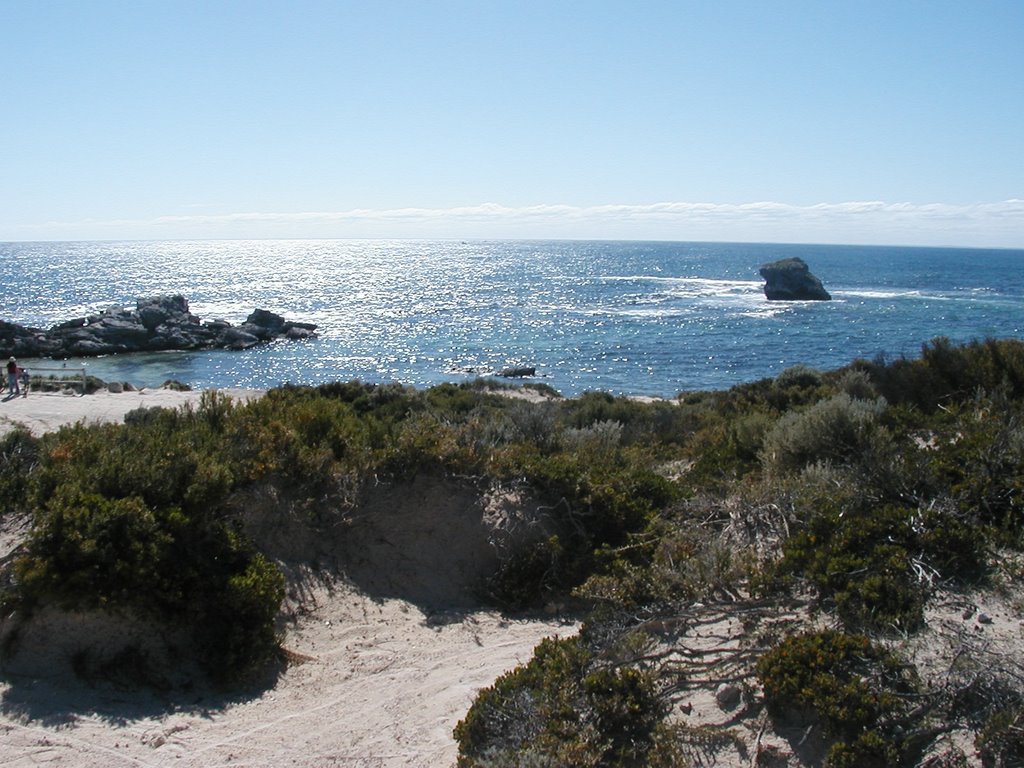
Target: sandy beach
374,681
47,411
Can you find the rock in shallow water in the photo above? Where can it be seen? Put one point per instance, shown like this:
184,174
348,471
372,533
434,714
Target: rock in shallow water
156,324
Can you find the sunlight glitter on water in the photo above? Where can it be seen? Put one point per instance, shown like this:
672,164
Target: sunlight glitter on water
641,318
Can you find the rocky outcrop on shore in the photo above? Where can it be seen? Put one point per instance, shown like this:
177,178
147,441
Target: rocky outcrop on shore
156,324
791,280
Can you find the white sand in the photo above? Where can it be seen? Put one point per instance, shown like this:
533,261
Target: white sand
47,411
380,684
381,687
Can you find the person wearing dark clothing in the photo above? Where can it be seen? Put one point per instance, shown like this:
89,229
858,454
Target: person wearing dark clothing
12,377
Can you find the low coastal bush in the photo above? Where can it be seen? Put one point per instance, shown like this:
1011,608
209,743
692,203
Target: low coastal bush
133,518
1000,742
89,552
146,517
948,373
19,455
879,485
657,422
835,430
875,566
857,384
595,503
799,377
853,688
979,458
535,569
564,707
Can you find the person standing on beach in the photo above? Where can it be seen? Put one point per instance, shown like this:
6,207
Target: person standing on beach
12,377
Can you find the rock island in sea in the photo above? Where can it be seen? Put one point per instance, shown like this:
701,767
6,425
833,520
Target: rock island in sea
156,324
791,280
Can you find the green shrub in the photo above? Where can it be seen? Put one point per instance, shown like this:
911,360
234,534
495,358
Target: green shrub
235,625
868,750
134,517
795,387
600,438
562,708
721,454
950,545
640,422
169,458
19,455
857,384
622,586
947,374
90,552
980,460
834,430
536,424
869,562
1000,742
853,688
963,369
677,559
748,434
611,499
528,574
799,376
595,501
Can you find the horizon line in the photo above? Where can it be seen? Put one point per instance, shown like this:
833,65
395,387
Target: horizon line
866,222
453,239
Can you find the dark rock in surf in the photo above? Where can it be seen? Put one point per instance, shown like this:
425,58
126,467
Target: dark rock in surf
237,338
267,326
518,373
156,324
157,311
791,280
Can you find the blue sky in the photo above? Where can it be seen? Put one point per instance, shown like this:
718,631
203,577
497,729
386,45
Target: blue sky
862,122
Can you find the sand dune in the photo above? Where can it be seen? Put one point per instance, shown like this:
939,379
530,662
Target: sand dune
376,679
386,657
375,683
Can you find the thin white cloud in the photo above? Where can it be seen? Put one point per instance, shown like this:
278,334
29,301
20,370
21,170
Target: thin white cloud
999,224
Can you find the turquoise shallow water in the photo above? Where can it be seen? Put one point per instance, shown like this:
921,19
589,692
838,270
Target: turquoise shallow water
651,318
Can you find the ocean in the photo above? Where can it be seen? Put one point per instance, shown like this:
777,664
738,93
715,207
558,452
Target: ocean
634,318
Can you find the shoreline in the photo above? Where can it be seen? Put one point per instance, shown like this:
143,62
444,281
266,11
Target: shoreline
43,412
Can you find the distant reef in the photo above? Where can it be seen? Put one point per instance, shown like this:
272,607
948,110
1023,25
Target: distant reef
156,324
791,280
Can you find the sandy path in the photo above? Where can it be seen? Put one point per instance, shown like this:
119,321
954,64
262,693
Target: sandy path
382,686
